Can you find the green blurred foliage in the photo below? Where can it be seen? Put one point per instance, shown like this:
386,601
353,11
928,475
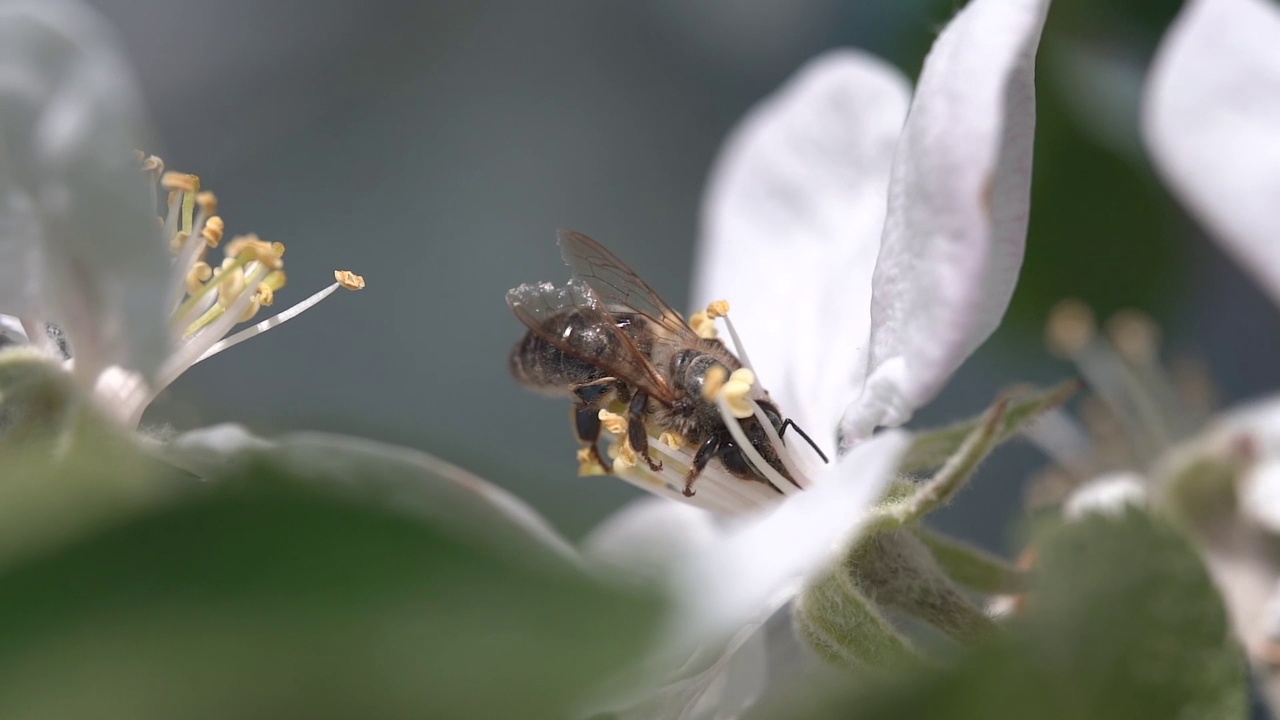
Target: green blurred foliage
1123,623
265,594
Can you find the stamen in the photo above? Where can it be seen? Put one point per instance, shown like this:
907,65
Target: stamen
349,280
613,423
744,444
1071,334
720,309
275,320
1070,329
1136,338
703,325
736,393
713,382
672,440
588,465
781,450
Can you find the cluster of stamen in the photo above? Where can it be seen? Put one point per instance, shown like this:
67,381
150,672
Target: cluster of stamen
208,298
1136,411
736,396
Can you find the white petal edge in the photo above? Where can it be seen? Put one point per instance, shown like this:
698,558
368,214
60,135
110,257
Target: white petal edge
761,562
1108,494
959,196
791,223
728,582
79,245
401,478
1211,120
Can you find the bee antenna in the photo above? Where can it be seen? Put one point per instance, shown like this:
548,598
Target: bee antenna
792,423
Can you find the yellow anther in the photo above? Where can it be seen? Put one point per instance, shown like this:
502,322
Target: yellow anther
1070,329
613,422
178,240
207,201
623,456
253,248
197,276
230,282
212,231
703,325
671,440
737,393
264,295
151,163
349,280
588,464
180,181
718,309
250,310
1135,336
713,381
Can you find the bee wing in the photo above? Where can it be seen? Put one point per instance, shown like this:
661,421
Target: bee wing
617,285
535,304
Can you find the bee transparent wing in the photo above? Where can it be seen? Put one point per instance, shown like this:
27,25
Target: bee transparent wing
617,285
539,305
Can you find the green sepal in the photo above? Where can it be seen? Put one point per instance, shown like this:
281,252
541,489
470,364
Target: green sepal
933,448
974,567
846,628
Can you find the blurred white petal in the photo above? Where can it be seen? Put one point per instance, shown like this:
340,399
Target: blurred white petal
762,562
1260,494
648,537
1108,494
1212,124
79,245
791,227
958,201
727,580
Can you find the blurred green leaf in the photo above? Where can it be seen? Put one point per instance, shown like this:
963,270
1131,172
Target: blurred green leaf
399,479
1123,623
269,595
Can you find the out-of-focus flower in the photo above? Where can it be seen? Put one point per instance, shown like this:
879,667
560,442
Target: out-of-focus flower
89,277
869,240
1210,115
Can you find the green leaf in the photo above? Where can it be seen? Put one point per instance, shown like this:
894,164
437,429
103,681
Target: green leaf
400,479
270,595
973,567
933,448
1123,623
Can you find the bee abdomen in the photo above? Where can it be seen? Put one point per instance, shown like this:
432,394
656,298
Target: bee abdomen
539,365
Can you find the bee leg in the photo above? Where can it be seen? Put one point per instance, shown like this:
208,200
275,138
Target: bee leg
586,423
636,433
710,448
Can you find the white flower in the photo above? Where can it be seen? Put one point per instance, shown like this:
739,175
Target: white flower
88,275
869,241
1211,122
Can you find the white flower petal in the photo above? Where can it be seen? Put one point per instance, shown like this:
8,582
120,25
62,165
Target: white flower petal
958,203
791,226
762,562
1107,494
1260,495
645,540
1212,124
726,583
79,245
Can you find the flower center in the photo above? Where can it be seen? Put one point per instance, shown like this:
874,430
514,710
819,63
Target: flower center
1137,411
737,396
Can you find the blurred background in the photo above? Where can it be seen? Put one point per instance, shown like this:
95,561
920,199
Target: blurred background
436,146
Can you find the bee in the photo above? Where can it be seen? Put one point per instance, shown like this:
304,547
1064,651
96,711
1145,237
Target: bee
607,337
